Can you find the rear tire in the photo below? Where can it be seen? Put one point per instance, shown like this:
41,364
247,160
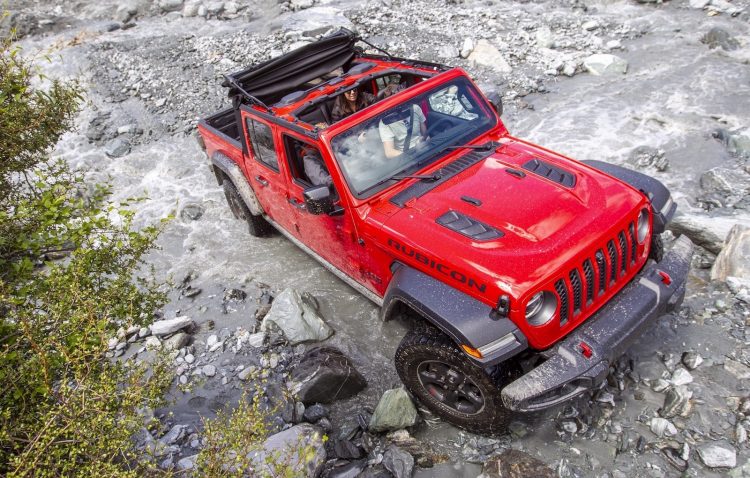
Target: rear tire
450,385
257,226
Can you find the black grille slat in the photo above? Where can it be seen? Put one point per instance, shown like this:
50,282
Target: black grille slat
624,251
633,245
601,265
612,261
575,283
562,292
588,273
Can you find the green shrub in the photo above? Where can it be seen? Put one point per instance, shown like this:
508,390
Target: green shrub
65,409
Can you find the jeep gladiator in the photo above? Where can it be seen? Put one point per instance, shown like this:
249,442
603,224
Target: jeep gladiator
527,273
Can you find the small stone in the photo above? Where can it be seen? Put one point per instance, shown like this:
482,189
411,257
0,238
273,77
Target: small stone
117,148
691,360
209,370
246,373
681,377
605,64
662,427
112,343
467,48
256,340
169,326
569,426
737,369
485,54
716,456
395,410
144,332
160,102
174,435
315,412
177,341
660,385
153,343
398,462
187,463
189,358
191,212
676,402
590,25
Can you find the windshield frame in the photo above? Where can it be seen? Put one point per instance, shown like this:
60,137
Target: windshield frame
436,152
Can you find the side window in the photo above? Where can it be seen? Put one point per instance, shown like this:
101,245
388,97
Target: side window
306,164
263,147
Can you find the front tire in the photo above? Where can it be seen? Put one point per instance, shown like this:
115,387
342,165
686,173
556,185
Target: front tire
257,226
450,385
657,248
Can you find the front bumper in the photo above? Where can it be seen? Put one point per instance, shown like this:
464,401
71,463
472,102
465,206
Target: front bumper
581,361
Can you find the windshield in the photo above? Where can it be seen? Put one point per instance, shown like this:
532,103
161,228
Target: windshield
411,135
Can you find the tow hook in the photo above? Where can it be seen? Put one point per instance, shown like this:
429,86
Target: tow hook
665,278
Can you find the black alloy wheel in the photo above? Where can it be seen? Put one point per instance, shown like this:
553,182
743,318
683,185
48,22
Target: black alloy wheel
450,384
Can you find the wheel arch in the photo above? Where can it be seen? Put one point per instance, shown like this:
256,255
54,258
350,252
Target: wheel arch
225,168
462,318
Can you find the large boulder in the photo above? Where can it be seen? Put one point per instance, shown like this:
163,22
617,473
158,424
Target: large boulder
395,411
734,258
398,462
707,232
300,447
325,375
485,54
516,464
718,455
297,318
605,64
726,181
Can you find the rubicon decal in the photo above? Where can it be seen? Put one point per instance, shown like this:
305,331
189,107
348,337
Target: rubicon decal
439,267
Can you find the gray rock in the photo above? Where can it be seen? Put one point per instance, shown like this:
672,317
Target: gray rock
726,181
317,20
398,462
737,369
187,463
662,427
516,464
720,38
734,258
395,411
176,434
448,51
691,360
699,4
189,358
301,4
544,38
646,156
209,370
169,326
177,341
214,8
467,48
325,375
191,211
681,377
718,456
246,373
153,343
708,233
287,446
485,54
350,470
117,148
170,5
605,64
676,402
297,319
315,412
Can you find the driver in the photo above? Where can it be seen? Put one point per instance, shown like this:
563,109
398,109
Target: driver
394,134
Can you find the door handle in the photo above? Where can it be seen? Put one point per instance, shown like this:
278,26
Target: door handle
294,202
263,182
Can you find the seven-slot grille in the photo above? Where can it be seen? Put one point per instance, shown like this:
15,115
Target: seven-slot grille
595,275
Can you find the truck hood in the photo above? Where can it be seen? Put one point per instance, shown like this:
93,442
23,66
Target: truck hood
544,223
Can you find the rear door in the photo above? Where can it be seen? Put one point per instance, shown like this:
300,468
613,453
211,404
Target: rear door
264,174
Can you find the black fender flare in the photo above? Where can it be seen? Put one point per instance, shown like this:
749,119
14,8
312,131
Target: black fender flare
223,163
464,319
656,192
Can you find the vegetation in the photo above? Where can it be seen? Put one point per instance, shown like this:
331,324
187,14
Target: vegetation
69,279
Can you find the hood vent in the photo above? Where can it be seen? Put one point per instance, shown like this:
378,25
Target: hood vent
553,173
466,226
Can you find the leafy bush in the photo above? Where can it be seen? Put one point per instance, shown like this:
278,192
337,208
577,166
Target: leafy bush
70,265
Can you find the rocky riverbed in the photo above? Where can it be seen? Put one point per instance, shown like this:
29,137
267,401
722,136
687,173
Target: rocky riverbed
660,86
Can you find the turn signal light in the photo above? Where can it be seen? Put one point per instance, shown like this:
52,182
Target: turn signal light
471,351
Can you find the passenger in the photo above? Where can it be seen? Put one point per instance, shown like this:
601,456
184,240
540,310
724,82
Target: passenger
394,134
315,168
350,102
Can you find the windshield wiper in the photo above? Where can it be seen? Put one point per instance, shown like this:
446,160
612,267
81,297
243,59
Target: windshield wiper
479,147
424,177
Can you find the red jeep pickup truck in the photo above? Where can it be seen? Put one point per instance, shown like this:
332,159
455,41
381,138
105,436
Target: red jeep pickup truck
528,272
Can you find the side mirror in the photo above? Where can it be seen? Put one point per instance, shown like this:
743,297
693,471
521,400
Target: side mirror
318,200
496,101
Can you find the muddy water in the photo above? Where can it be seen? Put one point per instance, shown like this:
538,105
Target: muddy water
674,90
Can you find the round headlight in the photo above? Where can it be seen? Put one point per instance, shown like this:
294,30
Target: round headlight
643,225
541,308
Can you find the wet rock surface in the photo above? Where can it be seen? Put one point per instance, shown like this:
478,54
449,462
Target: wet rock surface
154,68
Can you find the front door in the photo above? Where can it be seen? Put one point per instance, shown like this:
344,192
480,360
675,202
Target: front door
331,237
